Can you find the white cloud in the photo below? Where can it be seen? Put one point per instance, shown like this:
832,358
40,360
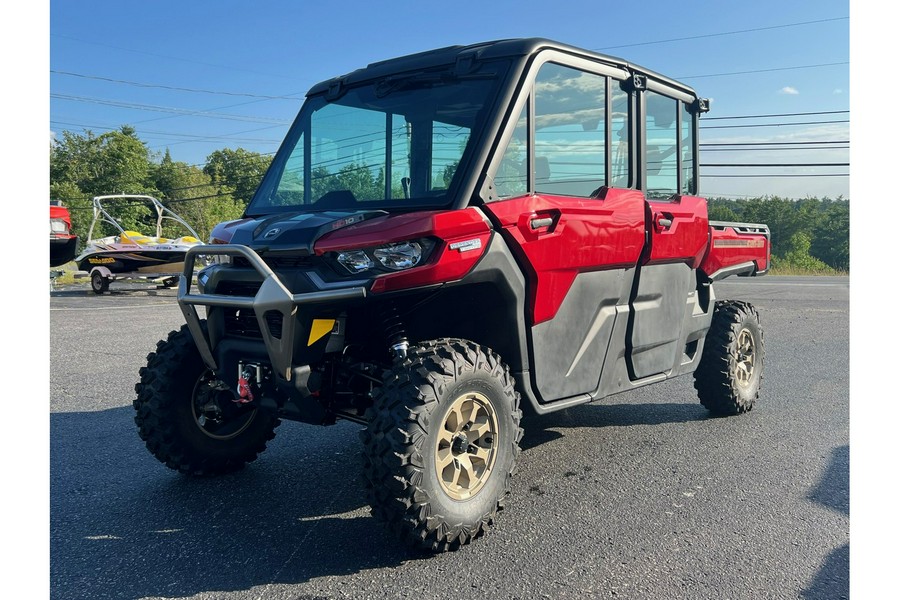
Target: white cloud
791,91
838,91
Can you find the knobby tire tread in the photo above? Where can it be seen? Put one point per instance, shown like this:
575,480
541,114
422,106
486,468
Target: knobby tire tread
394,442
176,363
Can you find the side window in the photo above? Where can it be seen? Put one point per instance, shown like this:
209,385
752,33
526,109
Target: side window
661,162
569,131
512,176
688,186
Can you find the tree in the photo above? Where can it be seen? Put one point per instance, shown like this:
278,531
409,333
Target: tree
189,192
111,163
237,171
798,257
830,236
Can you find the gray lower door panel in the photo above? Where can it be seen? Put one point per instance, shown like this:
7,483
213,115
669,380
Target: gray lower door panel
658,313
569,350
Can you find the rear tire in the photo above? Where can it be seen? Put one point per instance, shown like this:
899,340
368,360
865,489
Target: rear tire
187,417
441,444
729,375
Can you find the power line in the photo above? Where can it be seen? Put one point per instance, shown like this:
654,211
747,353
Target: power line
166,109
770,143
770,116
779,149
772,124
151,133
785,175
175,88
775,165
764,70
724,33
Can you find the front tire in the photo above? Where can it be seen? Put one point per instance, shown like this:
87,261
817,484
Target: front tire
441,444
729,375
187,418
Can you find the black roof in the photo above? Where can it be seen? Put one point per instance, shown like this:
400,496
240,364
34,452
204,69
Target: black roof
521,47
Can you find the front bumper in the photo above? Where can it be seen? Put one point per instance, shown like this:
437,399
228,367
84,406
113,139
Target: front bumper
272,295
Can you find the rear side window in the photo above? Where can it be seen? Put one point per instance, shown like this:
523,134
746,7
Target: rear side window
661,127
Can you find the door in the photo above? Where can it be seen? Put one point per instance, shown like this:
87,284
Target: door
577,239
678,232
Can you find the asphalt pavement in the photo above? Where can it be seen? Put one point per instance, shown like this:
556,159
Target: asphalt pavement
642,495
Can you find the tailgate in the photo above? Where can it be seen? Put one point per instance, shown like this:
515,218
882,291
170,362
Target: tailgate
737,249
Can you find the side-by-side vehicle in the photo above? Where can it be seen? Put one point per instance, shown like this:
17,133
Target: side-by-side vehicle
446,240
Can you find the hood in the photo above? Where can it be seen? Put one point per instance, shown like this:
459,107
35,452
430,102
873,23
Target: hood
294,231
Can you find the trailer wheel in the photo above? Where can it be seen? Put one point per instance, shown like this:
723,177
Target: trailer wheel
729,375
441,444
99,283
187,417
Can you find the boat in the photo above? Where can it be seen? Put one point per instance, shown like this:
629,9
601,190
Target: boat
62,240
130,254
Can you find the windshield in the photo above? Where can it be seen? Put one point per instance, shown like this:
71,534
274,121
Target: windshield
393,143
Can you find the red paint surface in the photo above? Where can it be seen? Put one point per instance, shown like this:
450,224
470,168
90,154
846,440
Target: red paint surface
756,250
687,238
446,225
585,235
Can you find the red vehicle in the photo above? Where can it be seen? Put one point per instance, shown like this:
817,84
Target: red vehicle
62,240
444,241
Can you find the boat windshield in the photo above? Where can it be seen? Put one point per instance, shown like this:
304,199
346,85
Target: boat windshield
400,142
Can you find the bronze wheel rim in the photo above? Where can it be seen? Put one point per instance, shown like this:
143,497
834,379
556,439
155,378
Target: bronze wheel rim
745,358
465,450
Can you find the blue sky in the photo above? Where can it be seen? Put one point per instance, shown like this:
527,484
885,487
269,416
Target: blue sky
114,63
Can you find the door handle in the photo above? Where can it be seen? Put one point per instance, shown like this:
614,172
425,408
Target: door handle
662,221
541,223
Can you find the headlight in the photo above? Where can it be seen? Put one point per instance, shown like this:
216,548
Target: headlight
355,261
397,256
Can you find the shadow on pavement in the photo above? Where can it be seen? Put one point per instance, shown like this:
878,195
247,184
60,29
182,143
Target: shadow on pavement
540,430
124,526
832,582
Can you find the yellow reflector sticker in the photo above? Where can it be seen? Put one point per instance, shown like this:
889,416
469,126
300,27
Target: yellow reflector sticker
320,328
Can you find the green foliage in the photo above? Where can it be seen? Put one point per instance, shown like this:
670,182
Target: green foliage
357,179
189,191
798,259
810,235
237,171
86,165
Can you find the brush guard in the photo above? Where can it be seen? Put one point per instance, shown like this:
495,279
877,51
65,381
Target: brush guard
271,296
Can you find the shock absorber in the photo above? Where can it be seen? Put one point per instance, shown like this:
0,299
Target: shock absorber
394,332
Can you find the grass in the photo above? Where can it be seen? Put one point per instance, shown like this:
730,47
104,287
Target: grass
68,274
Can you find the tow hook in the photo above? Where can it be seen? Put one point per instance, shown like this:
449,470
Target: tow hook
248,375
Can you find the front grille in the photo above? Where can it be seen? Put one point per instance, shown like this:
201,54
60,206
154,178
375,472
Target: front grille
241,322
238,288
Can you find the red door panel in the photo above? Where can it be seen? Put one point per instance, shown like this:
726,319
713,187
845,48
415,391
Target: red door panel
679,230
561,236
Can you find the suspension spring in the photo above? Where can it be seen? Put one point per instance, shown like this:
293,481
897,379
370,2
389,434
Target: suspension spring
394,331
